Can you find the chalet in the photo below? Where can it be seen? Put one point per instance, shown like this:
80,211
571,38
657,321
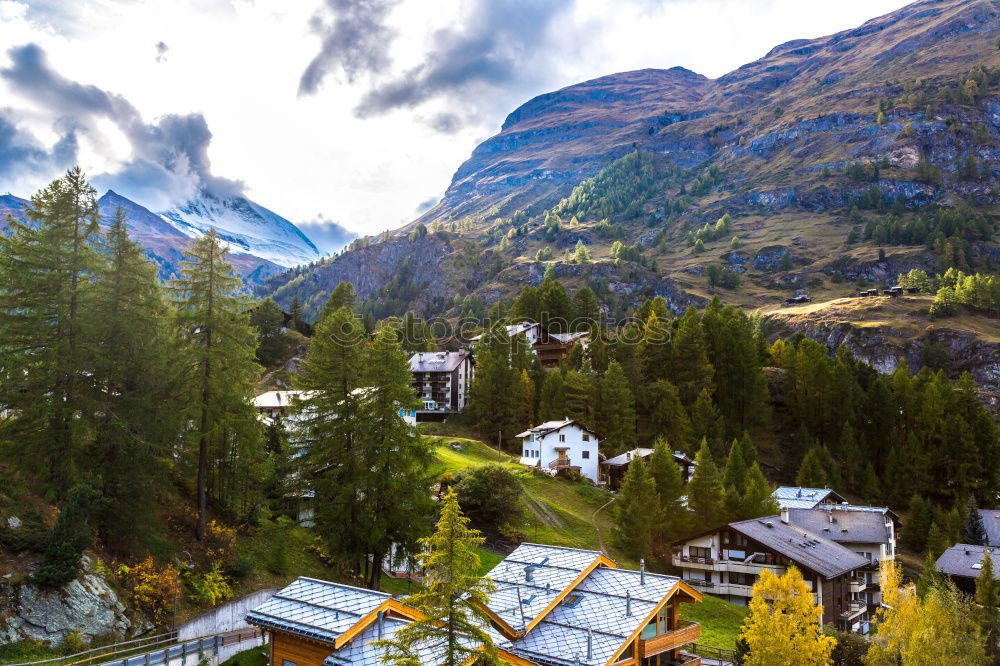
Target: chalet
560,446
868,292
794,497
913,290
796,300
893,292
867,530
963,563
273,405
727,560
550,348
550,606
614,469
442,379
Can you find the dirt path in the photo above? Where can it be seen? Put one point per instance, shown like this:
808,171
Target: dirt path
597,529
547,516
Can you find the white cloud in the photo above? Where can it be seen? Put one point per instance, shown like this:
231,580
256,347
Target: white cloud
240,63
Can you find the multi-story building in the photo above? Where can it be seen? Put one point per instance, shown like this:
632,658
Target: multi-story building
442,379
550,348
869,531
559,446
550,606
726,562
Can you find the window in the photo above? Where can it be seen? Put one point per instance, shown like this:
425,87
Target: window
586,455
698,551
562,438
586,437
285,662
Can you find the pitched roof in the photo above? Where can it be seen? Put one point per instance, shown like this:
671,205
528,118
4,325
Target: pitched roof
437,361
991,521
794,497
966,560
316,609
279,399
842,525
551,426
626,458
808,549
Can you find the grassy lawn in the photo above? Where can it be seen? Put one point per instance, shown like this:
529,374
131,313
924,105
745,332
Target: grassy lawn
255,656
720,620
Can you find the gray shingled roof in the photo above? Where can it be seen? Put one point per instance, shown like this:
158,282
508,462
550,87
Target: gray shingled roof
795,497
316,609
991,521
846,526
436,361
807,549
964,559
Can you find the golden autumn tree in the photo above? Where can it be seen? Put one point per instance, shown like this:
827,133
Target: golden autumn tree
783,625
939,628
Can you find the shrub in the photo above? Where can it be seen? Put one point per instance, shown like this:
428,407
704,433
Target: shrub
210,588
490,495
150,588
68,539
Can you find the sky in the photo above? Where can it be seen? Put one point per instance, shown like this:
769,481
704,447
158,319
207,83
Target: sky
331,112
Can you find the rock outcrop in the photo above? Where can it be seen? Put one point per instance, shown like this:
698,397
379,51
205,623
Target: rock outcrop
87,606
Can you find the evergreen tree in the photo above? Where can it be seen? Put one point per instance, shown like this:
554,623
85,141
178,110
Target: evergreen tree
342,296
579,390
556,307
914,537
495,395
669,484
987,603
705,492
587,309
136,413
690,369
295,314
70,535
272,344
527,306
617,411
636,510
661,414
219,346
937,541
552,400
734,480
758,500
450,629
46,269
706,422
973,530
528,399
811,472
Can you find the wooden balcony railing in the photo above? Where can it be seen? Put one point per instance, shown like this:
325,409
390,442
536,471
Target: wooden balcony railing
686,632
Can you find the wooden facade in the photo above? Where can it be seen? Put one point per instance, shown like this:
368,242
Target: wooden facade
292,650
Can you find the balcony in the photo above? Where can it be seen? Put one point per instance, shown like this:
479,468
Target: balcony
857,585
561,463
686,632
854,608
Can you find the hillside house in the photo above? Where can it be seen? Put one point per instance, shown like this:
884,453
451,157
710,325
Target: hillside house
726,561
991,523
614,469
442,379
794,497
867,530
550,348
279,405
560,446
964,562
551,605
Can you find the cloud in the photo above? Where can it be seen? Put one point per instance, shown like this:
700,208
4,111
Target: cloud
327,235
356,41
426,205
161,51
169,158
21,155
496,46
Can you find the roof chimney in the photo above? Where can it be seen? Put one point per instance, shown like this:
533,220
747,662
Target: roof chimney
784,515
590,644
642,571
528,570
628,603
420,357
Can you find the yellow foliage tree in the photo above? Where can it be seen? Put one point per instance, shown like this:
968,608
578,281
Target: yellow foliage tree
941,628
783,626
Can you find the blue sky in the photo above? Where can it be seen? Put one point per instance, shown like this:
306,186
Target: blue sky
348,111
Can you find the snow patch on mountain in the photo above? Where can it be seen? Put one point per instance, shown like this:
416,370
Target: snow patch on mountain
246,227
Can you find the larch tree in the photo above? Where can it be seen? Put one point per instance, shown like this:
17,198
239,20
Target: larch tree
47,270
690,369
637,510
617,411
669,484
811,472
988,606
342,296
783,625
453,622
218,355
495,394
552,399
706,497
758,498
938,628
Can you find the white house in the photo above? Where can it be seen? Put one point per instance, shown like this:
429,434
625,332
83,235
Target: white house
558,446
280,403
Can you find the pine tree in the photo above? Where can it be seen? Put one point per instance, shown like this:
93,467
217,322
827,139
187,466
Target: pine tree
690,370
783,624
636,510
528,399
579,389
556,307
46,270
495,395
527,306
919,524
450,630
811,473
393,458
937,541
552,401
705,492
581,254
617,411
706,422
987,602
669,484
342,296
758,500
587,310
136,420
219,347
973,530
661,414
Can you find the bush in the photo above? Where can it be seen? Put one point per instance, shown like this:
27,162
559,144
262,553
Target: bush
490,495
210,588
68,539
277,558
151,589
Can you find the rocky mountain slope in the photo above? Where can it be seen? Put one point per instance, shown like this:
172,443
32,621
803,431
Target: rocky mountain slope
261,242
805,149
